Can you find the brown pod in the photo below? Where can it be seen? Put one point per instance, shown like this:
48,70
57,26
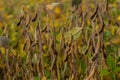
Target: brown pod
20,20
88,46
102,24
53,48
44,29
35,17
94,13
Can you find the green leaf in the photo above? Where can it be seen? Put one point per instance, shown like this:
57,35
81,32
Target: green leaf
111,1
117,69
76,2
75,32
47,74
107,34
36,78
112,75
1,30
104,72
83,66
111,62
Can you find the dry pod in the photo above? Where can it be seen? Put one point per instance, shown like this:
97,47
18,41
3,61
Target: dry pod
20,20
34,18
94,13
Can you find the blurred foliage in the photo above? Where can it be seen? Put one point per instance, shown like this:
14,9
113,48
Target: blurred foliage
62,42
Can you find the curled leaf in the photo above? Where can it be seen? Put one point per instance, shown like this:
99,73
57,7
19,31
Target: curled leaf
4,41
75,32
52,6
